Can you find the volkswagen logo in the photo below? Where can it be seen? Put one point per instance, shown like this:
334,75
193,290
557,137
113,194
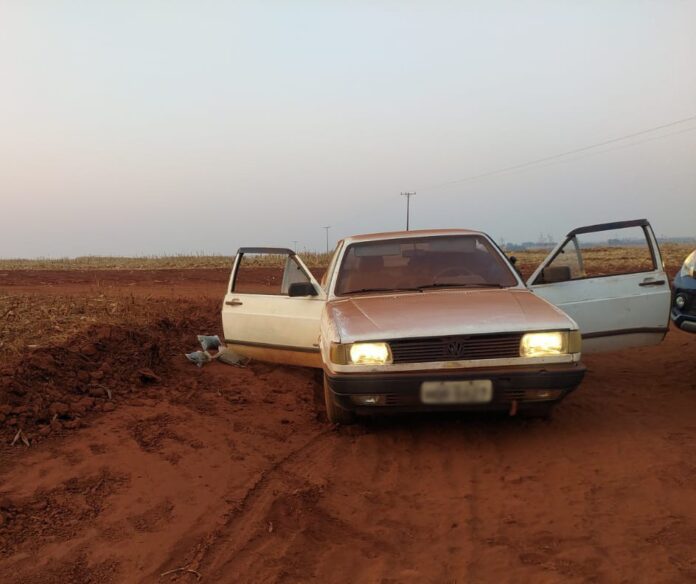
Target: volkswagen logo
456,349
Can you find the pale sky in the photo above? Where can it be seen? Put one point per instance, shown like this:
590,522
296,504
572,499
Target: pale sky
159,127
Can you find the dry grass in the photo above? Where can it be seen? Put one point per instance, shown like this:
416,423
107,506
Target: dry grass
175,262
310,258
673,255
179,262
611,257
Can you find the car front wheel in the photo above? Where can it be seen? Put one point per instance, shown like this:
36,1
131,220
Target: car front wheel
335,413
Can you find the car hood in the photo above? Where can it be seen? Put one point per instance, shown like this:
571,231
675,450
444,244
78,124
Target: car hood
443,313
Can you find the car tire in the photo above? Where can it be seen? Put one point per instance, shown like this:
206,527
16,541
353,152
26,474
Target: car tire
335,413
537,411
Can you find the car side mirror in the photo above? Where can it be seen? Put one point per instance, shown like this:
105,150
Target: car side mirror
555,274
301,289
513,260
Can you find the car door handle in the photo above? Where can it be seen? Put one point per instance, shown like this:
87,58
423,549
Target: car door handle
652,283
234,302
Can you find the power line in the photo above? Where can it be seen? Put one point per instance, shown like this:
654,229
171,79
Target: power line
561,154
619,147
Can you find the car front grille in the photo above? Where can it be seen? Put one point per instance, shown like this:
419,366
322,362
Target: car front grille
458,348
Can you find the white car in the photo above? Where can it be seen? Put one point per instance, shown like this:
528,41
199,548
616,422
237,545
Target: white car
440,319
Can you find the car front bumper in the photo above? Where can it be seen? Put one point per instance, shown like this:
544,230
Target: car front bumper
401,392
685,317
686,322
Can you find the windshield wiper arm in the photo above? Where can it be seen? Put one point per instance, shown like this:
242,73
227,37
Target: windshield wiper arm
460,285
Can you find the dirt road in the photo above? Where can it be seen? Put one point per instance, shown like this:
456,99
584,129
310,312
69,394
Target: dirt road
233,474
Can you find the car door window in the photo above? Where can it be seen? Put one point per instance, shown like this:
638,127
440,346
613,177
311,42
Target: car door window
600,254
292,274
267,274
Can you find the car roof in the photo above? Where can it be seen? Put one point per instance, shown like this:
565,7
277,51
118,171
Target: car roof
412,233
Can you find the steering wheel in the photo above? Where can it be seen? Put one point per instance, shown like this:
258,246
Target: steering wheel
453,271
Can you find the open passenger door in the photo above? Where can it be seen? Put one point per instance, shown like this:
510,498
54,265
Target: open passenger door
272,307
617,299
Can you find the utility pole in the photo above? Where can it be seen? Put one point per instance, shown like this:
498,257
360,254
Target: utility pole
327,227
294,241
408,207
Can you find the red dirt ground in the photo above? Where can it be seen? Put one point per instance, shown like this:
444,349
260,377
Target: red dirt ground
233,473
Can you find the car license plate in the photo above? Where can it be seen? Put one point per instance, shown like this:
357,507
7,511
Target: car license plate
477,391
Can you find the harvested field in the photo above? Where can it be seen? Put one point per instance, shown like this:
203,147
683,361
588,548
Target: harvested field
613,259
673,254
144,468
174,262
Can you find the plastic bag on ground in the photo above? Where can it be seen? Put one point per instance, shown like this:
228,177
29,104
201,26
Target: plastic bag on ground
200,358
209,342
229,357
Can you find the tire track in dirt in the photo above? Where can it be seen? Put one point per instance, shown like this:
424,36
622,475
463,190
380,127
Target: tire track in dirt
376,530
289,525
205,556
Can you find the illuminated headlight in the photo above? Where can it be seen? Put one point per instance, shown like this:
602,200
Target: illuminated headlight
361,354
369,353
680,301
550,344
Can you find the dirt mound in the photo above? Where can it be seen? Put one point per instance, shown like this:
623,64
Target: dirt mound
54,389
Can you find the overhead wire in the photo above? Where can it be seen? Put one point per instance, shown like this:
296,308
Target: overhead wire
619,147
561,155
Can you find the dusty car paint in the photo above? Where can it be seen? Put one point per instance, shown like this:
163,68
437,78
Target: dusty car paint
443,312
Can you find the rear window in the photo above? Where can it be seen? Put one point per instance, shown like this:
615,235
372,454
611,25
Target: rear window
413,263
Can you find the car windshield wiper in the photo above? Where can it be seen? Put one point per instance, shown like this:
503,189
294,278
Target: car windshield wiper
460,285
364,290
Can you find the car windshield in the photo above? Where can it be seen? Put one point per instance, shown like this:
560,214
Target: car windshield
418,263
